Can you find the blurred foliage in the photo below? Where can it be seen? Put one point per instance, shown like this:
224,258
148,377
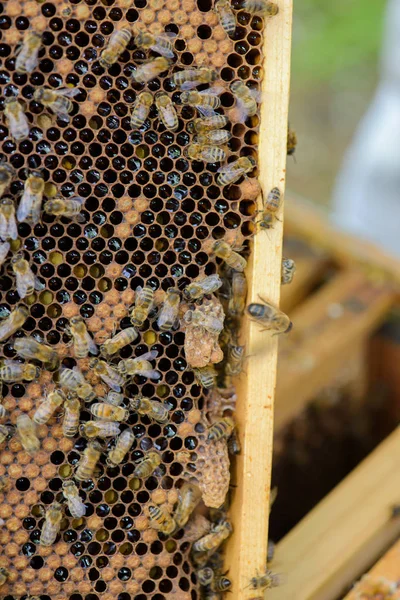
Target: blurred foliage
332,38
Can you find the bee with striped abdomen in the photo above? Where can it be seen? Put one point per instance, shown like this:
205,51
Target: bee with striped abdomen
166,111
288,270
210,542
49,406
16,119
29,348
266,581
271,206
207,124
88,461
83,343
291,142
108,412
26,430
270,316
144,298
246,99
119,341
151,69
237,301
123,444
70,208
13,322
216,137
51,525
139,366
154,409
206,101
161,520
58,101
197,318
108,374
191,78
168,316
189,497
141,109
264,8
26,281
30,205
114,398
7,173
226,16
73,379
147,465
116,45
210,154
102,429
221,429
75,504
232,172
28,53
12,371
161,43
224,251
206,376
8,224
202,287
235,358
70,424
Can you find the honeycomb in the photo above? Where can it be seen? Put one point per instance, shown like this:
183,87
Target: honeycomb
149,213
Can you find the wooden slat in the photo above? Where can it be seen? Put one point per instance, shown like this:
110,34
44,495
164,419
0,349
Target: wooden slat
345,533
387,567
326,331
312,223
246,552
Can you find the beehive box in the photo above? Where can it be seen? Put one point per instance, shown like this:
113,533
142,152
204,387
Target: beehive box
149,213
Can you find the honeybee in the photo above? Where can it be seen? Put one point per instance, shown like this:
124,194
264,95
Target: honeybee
291,142
4,483
166,111
83,343
75,503
206,102
219,533
70,423
72,379
197,289
246,99
13,322
102,429
143,303
215,136
3,412
29,348
28,53
152,408
31,200
151,69
224,251
209,123
271,205
161,520
140,110
8,224
226,16
7,172
270,316
266,581
51,525
221,583
70,208
4,250
234,363
4,575
26,429
117,44
197,318
191,78
108,412
210,154
26,280
265,8
168,316
205,576
12,371
5,432
122,339
124,443
114,398
108,374
237,301
206,376
221,429
189,497
288,270
58,101
88,461
147,465
162,43
234,446
231,173
48,407
17,121
140,366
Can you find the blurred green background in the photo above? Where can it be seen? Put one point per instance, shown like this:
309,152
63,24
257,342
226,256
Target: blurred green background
335,69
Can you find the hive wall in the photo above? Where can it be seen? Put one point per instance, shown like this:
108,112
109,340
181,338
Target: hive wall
149,213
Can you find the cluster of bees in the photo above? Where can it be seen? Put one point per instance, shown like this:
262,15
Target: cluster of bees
72,388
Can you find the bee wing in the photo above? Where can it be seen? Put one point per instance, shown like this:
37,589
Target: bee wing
4,250
24,283
243,113
189,85
32,61
78,375
111,383
149,355
206,111
78,506
68,92
215,90
168,34
163,51
39,285
93,349
25,206
256,94
150,373
65,117
12,228
224,169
